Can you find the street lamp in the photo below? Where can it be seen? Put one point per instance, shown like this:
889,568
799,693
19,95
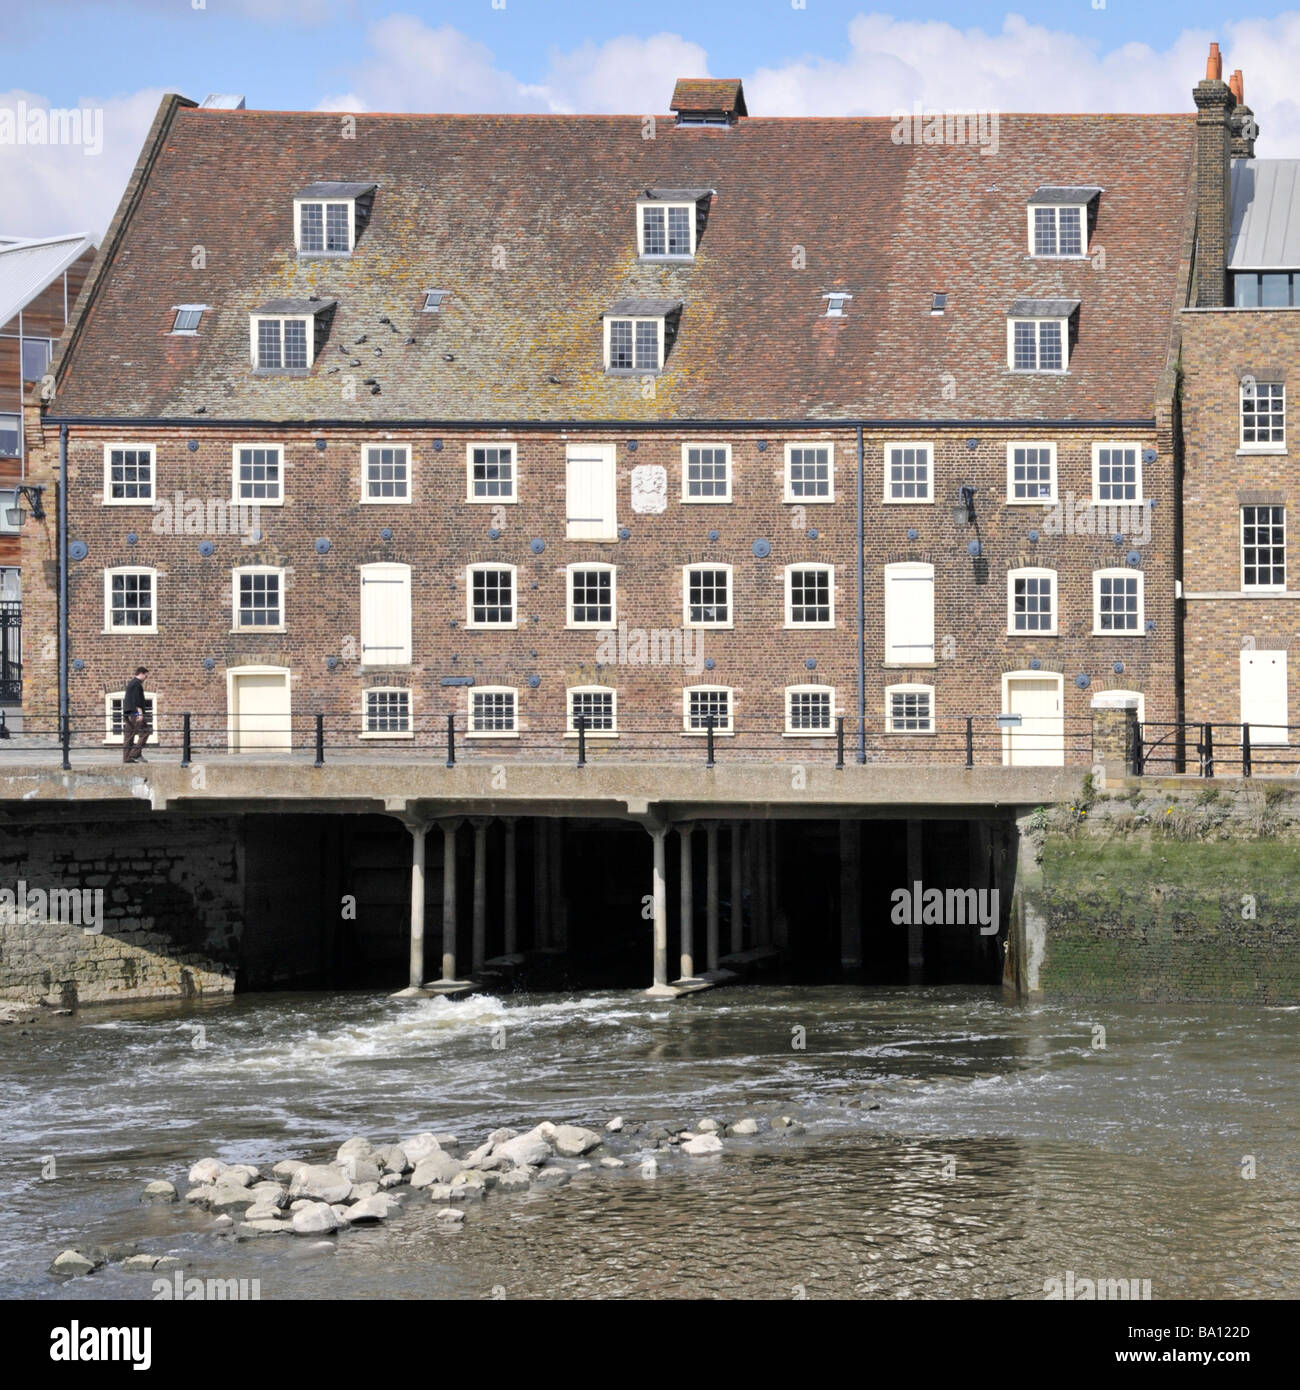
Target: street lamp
31,494
964,512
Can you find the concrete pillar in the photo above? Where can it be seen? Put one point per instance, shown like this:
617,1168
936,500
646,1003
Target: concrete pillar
711,895
659,899
915,948
687,902
761,856
479,954
1028,931
737,888
850,895
418,830
541,889
511,904
780,929
449,828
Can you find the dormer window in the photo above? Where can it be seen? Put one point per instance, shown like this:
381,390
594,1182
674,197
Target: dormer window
708,101
1059,220
188,317
638,333
328,217
1038,334
285,335
669,222
835,303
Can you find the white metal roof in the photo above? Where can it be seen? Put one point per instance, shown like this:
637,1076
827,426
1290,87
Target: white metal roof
28,264
1265,215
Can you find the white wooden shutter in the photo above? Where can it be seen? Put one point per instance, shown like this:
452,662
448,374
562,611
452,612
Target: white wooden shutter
385,615
590,492
909,614
1264,696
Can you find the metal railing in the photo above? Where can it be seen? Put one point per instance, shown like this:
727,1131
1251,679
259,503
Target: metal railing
966,741
1208,749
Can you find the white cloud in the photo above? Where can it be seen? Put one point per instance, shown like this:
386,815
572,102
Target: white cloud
48,189
625,75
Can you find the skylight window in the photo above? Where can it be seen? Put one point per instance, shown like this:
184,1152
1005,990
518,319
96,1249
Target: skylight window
938,303
188,317
835,303
433,301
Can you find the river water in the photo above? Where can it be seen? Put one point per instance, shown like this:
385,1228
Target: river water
1007,1149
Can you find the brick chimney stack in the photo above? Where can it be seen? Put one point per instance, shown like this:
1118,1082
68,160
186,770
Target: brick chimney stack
1215,104
1244,128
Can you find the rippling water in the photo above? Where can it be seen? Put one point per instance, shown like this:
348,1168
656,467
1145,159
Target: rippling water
1006,1149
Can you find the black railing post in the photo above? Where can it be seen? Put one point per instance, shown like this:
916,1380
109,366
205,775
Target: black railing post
839,742
320,740
185,740
1138,759
708,725
970,741
451,740
582,740
1245,750
65,739
1207,746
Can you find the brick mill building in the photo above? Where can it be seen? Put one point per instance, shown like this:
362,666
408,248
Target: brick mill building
639,428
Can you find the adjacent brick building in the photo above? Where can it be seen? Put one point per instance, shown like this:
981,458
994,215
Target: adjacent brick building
525,403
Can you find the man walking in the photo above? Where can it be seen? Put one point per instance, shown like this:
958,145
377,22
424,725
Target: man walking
134,723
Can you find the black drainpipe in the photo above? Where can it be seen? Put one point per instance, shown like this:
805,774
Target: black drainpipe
862,618
63,588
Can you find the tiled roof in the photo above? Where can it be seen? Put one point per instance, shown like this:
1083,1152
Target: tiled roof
1065,195
1265,215
529,223
702,95
1042,308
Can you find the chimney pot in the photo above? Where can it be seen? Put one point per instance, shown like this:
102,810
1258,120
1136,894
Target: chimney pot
1238,85
1214,65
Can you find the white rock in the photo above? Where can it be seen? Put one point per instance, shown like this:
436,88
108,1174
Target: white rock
420,1146
158,1192
525,1150
391,1180
649,1167
746,1126
438,1167
362,1190
359,1170
611,1162
263,1211
206,1170
707,1126
223,1223
72,1262
702,1145
502,1136
223,1198
615,1125
573,1141
394,1159
249,1229
325,1183
376,1208
551,1177
314,1219
271,1193
440,1192
231,1173
139,1261
476,1156
516,1180
287,1170
449,1216
354,1148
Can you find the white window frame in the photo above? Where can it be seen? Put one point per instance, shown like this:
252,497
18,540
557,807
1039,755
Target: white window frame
571,728
1056,209
909,688
235,481
1037,370
686,595
692,217
705,501
789,494
813,689
111,501
300,203
484,566
634,319
150,698
1273,446
570,571
109,629
505,500
471,731
366,498
928,499
836,302
199,309
1113,572
726,730
1241,527
309,322
235,575
789,594
1097,500
370,690
1033,572
1012,499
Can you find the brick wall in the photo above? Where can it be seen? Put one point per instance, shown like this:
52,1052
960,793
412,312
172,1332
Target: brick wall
439,533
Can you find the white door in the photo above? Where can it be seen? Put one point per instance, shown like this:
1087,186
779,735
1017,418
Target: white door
909,615
385,615
1263,696
590,493
1039,739
259,710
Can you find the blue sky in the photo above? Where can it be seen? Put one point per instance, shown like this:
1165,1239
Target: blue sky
831,57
